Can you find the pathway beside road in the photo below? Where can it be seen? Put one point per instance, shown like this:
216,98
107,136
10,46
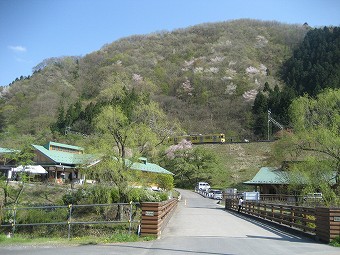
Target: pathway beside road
200,226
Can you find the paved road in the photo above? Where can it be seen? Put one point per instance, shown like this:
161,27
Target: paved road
200,226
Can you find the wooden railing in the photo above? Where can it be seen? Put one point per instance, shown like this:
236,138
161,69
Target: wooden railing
155,216
295,200
322,222
302,218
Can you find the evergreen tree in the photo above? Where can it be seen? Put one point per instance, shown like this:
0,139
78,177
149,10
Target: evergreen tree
315,64
260,104
260,125
59,125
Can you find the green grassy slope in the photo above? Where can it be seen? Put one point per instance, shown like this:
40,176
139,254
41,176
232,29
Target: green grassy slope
240,162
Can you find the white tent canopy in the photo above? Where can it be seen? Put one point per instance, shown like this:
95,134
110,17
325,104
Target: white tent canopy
30,169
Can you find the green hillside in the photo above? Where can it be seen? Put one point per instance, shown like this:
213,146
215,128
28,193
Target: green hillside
210,78
206,76
240,162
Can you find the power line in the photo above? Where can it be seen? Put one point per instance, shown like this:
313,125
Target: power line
272,120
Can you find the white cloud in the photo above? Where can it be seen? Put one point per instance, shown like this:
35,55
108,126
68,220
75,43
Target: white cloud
17,48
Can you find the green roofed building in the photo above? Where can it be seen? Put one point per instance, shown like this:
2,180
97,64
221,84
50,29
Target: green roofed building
269,180
145,166
274,180
5,162
62,161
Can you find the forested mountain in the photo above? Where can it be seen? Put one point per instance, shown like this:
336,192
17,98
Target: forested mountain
315,64
206,76
313,67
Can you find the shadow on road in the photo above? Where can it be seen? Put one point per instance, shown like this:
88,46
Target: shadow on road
155,249
284,232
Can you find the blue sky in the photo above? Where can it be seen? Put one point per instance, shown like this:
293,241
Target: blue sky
33,30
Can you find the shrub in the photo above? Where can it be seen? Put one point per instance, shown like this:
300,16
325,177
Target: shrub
335,242
73,197
145,195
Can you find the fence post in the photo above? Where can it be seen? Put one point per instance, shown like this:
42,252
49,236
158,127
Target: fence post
327,223
292,216
130,218
304,214
272,216
69,221
229,204
14,220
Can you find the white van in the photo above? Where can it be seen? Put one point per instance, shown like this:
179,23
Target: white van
202,186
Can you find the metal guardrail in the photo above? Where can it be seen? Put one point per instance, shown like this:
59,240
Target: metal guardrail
10,217
203,193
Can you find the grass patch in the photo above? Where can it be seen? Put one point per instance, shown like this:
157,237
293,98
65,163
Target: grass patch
240,162
21,239
85,240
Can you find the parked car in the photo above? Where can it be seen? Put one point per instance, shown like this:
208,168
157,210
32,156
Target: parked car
215,194
218,195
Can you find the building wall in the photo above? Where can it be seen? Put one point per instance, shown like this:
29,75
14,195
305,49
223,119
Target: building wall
41,159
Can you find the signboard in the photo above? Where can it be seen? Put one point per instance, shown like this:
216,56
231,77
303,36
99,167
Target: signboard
231,191
149,213
336,218
251,196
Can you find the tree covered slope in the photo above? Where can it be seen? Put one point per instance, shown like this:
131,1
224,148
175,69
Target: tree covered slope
206,76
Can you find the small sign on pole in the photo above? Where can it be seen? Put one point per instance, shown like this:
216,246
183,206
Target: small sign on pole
336,218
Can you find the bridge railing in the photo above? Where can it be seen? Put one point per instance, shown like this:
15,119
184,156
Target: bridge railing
322,222
297,200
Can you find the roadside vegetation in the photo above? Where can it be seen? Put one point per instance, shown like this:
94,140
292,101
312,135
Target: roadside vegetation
19,239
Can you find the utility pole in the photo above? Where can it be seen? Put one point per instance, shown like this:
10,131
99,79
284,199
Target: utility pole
268,126
270,119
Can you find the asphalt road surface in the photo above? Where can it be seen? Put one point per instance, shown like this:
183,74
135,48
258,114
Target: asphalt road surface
199,226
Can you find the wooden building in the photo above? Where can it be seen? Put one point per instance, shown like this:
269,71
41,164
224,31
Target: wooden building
62,161
270,180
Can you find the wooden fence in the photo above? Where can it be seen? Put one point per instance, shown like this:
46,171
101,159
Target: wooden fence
155,216
323,223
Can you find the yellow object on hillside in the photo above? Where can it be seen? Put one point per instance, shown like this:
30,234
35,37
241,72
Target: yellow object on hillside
198,139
